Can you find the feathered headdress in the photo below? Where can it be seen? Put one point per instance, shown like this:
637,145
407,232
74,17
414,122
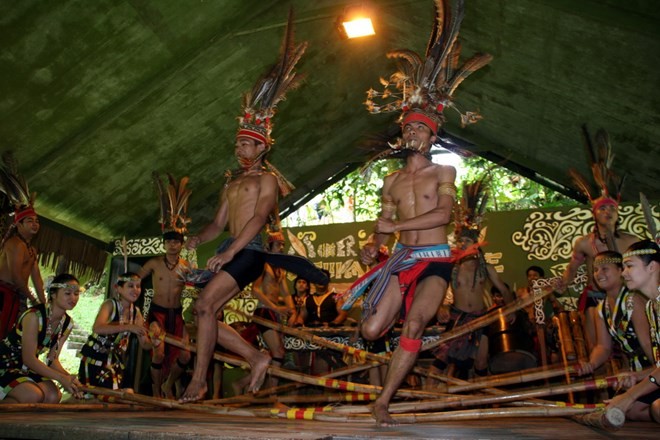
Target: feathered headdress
609,184
259,104
14,186
275,234
470,209
423,88
650,219
173,199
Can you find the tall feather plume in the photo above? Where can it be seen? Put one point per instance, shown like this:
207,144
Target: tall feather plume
451,66
259,104
468,68
471,207
272,87
425,85
409,63
451,17
601,157
648,216
173,200
12,183
581,183
163,199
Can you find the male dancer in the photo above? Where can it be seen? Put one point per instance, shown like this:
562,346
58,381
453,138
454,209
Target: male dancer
165,313
248,200
416,203
18,257
605,235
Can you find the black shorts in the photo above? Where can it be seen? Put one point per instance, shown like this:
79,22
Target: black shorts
246,267
436,268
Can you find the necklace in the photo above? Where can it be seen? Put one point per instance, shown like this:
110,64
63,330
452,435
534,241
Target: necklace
30,249
318,300
50,330
170,266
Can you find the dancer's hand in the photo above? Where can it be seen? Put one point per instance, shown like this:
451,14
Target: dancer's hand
584,367
193,242
216,262
385,226
71,384
368,254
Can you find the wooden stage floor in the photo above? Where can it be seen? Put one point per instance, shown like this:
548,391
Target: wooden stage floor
172,424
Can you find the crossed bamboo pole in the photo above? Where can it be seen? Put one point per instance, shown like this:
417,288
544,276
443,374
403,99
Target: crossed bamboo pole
323,382
468,401
269,392
586,413
363,355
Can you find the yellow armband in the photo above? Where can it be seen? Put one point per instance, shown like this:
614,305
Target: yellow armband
388,205
447,189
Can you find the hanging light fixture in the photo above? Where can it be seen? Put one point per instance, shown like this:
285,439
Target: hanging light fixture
355,22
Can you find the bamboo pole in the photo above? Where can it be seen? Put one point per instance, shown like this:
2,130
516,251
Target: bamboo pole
275,390
473,414
611,419
362,355
312,398
53,407
322,342
516,377
164,403
486,319
577,331
467,401
310,380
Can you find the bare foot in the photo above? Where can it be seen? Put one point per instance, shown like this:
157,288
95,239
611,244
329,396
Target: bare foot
196,391
258,375
382,415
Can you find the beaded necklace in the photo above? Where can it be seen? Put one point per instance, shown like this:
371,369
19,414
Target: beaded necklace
50,331
31,251
653,314
170,266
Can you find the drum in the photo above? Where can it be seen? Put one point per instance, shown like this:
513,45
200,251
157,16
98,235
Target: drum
510,348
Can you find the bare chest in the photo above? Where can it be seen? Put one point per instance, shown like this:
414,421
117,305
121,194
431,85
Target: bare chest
415,188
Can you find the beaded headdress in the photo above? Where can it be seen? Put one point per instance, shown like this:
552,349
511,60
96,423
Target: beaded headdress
259,104
638,252
599,261
422,88
173,199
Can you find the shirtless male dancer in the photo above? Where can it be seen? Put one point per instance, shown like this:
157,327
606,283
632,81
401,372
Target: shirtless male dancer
417,203
248,201
605,235
470,275
165,313
18,263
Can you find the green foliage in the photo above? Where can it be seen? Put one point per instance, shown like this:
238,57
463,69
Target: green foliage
510,191
83,316
356,197
358,192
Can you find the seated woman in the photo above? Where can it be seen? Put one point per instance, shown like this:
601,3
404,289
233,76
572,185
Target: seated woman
621,317
642,272
24,378
103,356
